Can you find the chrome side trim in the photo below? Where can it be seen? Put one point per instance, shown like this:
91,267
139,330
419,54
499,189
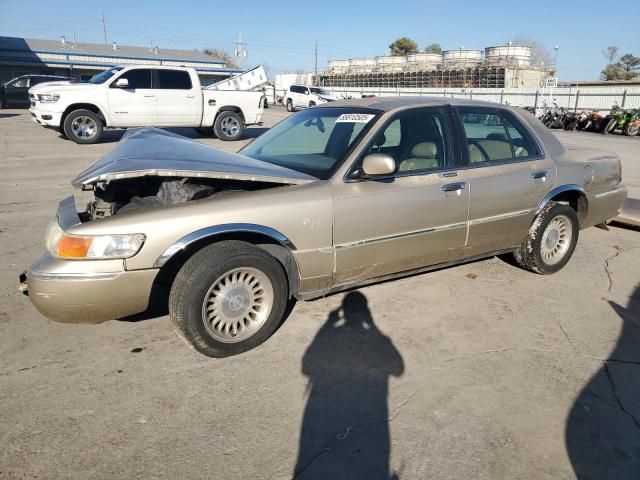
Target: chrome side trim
502,216
72,276
611,192
218,230
401,235
558,190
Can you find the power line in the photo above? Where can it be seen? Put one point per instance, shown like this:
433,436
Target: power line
104,29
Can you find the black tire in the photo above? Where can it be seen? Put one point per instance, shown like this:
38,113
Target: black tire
200,273
289,106
228,126
530,254
610,127
71,132
204,131
631,130
312,104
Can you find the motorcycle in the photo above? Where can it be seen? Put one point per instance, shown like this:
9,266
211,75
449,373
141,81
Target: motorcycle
614,120
632,123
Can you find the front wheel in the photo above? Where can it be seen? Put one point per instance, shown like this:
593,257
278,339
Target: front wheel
83,126
610,127
632,130
228,126
551,241
312,104
228,298
289,106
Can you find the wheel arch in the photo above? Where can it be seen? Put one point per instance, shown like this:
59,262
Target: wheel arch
229,108
573,195
266,238
83,106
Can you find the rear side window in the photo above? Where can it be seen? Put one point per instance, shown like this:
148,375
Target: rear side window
140,78
174,80
493,136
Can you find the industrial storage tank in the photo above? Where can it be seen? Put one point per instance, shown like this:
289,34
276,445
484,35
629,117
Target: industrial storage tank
391,63
509,55
357,65
424,61
338,66
461,58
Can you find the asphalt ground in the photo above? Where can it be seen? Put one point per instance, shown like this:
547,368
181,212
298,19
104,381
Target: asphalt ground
480,371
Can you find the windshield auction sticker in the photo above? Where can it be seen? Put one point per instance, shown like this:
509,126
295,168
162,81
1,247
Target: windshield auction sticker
355,118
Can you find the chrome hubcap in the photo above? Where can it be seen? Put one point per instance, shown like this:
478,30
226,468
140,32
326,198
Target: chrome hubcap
84,127
556,240
237,304
230,127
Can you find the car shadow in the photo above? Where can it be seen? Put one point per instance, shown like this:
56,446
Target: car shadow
115,135
345,427
603,428
9,115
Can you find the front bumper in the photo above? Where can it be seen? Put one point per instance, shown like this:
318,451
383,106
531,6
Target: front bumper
67,291
44,117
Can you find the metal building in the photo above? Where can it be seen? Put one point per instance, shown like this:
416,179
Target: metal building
81,60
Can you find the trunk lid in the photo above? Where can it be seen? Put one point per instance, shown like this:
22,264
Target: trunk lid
154,152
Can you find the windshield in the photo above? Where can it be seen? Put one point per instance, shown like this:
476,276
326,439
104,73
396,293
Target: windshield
104,76
314,141
320,91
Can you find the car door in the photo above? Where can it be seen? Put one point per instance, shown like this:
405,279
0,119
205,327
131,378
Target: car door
178,100
508,174
135,104
411,219
17,92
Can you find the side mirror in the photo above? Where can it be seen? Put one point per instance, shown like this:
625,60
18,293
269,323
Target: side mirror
122,83
376,164
306,92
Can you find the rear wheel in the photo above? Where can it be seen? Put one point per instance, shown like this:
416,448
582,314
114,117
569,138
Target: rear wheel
289,106
228,298
551,240
83,126
228,126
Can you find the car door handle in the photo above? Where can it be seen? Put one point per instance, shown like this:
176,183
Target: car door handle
541,175
190,96
149,96
454,187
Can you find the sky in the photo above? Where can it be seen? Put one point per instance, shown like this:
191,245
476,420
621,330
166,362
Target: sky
283,34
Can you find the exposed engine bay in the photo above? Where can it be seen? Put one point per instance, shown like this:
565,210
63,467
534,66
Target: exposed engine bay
120,196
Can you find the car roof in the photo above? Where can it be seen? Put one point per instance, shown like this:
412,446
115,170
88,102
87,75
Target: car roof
392,103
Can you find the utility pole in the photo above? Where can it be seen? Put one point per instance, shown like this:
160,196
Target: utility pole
316,62
104,28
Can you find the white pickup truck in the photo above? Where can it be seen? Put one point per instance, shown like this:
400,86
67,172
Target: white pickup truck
143,96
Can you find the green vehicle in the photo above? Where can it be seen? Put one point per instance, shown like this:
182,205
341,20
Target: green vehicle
626,120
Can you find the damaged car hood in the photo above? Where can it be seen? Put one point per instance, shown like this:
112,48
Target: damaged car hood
154,152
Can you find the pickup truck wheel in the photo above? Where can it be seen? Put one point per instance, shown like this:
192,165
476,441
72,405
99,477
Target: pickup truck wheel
228,126
228,298
83,126
289,106
551,241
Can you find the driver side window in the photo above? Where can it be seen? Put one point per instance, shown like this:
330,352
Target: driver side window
20,83
417,140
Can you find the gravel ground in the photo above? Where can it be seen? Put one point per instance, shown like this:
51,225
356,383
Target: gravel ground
477,371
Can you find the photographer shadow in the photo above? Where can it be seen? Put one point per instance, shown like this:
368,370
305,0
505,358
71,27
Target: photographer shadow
345,429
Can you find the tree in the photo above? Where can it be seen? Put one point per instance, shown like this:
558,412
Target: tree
629,63
540,55
220,54
610,53
627,68
403,46
433,48
611,72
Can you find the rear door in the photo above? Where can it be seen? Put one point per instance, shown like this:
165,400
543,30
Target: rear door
413,218
178,99
508,174
134,105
